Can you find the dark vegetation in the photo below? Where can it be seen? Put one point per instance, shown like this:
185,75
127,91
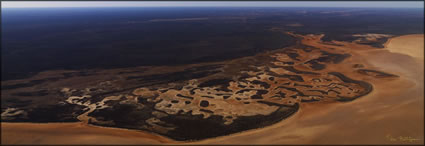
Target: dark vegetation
367,86
35,39
191,127
188,126
50,113
375,73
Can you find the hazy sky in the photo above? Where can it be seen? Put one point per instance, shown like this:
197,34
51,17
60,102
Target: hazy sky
382,4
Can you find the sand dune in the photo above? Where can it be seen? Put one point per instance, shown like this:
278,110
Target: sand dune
73,133
411,45
391,114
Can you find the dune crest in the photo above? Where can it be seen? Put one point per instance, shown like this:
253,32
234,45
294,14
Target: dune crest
412,45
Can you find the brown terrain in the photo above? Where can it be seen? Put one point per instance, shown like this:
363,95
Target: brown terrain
398,45
333,104
74,133
391,114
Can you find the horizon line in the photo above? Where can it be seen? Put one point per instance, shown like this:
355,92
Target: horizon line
322,4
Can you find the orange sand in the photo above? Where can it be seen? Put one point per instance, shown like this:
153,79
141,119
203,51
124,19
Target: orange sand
391,114
411,45
73,133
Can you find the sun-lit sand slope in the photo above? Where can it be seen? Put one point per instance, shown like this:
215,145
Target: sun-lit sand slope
73,133
409,44
391,114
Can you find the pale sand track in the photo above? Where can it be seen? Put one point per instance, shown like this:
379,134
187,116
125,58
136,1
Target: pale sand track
394,108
